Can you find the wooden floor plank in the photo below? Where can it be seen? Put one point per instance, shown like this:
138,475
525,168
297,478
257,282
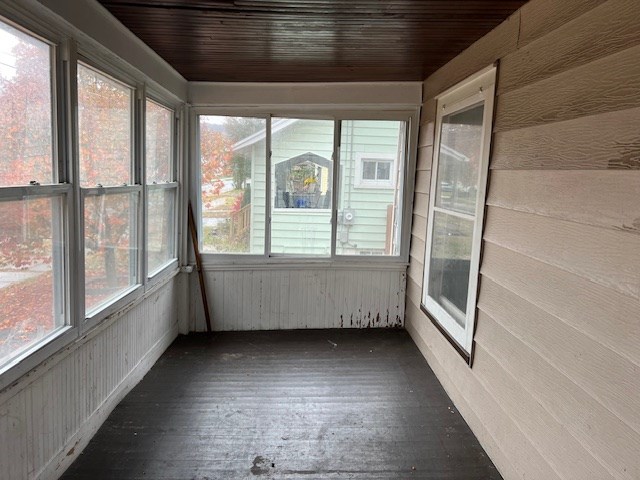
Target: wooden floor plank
319,404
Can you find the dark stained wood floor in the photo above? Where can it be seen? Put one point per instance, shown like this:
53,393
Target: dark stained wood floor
320,404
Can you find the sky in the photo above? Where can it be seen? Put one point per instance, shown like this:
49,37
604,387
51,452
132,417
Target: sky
8,40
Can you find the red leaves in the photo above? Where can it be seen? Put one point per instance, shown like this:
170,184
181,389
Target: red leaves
25,122
26,232
27,312
215,151
237,204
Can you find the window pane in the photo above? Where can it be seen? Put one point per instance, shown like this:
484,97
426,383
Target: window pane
110,253
104,121
31,273
158,143
369,170
233,173
384,171
369,212
161,227
450,264
301,184
459,160
25,109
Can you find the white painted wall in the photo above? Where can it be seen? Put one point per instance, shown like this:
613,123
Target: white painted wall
271,297
49,415
371,95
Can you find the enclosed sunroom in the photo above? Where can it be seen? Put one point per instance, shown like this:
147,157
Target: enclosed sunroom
285,239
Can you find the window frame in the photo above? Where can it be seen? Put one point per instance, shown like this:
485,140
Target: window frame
59,187
67,49
376,183
313,112
128,295
153,276
479,88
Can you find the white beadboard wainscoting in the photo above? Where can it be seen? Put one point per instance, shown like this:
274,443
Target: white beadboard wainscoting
49,415
270,297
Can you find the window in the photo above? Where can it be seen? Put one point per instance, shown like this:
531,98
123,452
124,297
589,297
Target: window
301,186
299,219
369,199
78,232
33,283
456,207
375,171
110,196
162,189
232,186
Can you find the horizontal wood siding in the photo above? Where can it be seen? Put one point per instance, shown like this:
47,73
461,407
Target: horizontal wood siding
273,298
557,354
612,144
304,231
48,417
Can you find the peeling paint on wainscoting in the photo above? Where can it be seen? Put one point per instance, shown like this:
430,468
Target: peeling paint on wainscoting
263,299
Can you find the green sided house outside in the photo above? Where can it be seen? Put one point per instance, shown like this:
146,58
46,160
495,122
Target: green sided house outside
369,196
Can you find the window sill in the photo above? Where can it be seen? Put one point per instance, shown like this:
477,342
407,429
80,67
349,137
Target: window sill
37,360
468,357
215,263
39,353
160,274
310,211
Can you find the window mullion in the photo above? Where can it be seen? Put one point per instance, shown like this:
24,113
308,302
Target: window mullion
268,196
335,185
139,161
76,207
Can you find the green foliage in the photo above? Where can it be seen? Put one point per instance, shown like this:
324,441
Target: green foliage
241,168
246,196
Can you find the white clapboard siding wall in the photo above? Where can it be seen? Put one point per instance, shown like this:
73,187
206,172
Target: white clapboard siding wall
282,298
554,391
49,416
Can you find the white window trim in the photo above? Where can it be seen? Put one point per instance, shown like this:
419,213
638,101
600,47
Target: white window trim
153,276
477,88
68,51
359,182
60,188
406,114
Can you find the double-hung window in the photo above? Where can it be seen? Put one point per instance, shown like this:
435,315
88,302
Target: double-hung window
456,206
161,185
290,187
33,199
88,195
109,190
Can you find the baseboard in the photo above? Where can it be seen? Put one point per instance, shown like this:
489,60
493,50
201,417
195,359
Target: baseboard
74,446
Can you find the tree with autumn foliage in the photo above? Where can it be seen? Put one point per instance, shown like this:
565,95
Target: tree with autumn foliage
26,229
216,150
26,156
105,145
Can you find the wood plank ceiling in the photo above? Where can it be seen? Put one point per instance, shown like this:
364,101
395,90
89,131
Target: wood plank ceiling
309,40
